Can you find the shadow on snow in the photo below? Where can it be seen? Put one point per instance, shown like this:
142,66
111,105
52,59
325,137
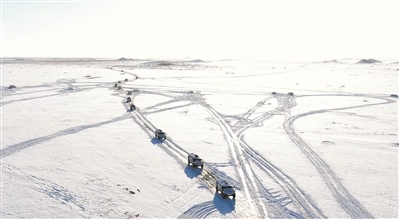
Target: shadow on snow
192,172
156,141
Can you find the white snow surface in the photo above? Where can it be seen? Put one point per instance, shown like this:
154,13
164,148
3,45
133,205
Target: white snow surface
72,148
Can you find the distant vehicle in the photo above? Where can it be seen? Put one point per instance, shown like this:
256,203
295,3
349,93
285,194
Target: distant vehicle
160,134
394,95
136,90
126,79
225,188
195,161
119,82
274,92
11,87
129,93
132,107
290,94
128,100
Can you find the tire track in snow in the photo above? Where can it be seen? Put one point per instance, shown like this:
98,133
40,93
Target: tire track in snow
208,175
244,120
245,172
12,149
201,210
349,204
278,210
275,207
178,152
297,196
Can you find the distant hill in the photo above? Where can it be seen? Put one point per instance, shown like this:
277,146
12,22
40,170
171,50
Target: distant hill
123,59
368,61
157,64
330,61
196,60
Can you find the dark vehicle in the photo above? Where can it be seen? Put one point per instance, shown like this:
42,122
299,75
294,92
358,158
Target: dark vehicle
11,87
195,161
394,95
126,79
290,94
225,188
160,134
128,100
274,92
132,107
129,93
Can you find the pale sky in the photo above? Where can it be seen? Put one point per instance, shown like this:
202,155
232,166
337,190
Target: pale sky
274,30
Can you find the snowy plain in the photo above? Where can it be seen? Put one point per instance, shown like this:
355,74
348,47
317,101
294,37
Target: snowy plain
71,147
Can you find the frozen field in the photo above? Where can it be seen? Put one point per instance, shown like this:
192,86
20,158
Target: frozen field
71,147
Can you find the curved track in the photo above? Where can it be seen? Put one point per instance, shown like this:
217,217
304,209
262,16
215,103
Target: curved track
302,201
259,198
349,204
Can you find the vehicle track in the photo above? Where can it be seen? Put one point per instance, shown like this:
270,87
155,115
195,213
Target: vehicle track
348,203
208,174
251,187
298,197
245,118
12,149
242,153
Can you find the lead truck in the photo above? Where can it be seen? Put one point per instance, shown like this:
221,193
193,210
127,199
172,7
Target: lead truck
225,188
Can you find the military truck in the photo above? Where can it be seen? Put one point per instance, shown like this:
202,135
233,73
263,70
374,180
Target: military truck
225,188
195,161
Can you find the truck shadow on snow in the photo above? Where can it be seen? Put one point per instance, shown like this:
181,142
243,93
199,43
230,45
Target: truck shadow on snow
224,206
156,141
192,172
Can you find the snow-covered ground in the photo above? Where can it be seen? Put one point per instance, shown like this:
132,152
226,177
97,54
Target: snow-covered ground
71,147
